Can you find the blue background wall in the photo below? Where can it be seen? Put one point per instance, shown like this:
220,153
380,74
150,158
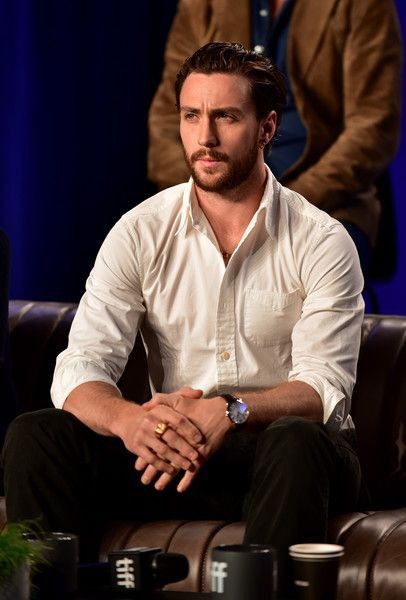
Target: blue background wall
76,80
392,295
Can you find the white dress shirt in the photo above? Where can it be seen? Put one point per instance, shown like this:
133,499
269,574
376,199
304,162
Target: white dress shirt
287,306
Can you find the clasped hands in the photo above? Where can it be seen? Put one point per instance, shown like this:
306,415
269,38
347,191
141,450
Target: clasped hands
196,427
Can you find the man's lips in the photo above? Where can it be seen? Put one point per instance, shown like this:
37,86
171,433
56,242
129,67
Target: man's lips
209,159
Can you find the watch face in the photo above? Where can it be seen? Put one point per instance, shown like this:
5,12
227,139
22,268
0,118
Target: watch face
238,412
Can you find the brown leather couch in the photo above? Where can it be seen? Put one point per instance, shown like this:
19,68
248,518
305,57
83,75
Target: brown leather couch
374,565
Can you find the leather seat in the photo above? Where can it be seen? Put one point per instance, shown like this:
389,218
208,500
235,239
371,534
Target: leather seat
374,563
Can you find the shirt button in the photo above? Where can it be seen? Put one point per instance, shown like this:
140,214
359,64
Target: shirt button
263,12
225,356
259,49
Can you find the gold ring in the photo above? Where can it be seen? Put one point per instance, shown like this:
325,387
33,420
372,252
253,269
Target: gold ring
160,429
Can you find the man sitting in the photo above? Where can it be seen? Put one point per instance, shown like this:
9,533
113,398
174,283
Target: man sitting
248,299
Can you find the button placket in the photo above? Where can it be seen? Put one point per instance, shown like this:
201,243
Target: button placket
227,374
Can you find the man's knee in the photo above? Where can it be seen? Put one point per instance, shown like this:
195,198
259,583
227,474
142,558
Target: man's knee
292,436
32,424
293,428
32,434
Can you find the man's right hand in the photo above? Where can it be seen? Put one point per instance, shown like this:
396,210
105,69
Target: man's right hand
175,449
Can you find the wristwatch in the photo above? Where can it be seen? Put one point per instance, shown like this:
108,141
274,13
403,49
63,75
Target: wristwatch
237,411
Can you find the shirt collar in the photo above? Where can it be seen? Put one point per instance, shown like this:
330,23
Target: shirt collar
268,204
186,211
270,200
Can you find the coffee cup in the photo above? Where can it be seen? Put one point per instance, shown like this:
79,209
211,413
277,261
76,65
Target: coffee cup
315,570
243,571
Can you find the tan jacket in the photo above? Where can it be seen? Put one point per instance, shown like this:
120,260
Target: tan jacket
344,61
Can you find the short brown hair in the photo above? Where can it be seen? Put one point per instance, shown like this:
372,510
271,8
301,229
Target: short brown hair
267,83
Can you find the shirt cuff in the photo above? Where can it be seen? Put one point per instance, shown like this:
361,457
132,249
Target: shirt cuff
67,380
335,406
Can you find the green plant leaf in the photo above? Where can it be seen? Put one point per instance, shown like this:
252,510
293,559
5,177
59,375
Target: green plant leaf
15,549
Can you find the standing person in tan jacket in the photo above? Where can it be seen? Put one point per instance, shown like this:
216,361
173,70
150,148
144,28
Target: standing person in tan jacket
342,61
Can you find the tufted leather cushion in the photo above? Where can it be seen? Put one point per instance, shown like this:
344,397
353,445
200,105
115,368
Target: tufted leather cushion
372,567
379,409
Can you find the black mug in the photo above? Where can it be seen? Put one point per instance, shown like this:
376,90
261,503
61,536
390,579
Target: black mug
56,576
243,572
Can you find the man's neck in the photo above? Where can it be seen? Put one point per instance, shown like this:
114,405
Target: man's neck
229,213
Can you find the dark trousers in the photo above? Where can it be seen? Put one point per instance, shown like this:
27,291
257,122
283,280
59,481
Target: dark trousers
285,481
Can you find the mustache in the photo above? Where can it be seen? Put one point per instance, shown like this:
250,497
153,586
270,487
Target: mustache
208,154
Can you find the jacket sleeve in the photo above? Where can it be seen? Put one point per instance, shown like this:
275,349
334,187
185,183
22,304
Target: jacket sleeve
371,74
166,165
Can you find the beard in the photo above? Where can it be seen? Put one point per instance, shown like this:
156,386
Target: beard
237,171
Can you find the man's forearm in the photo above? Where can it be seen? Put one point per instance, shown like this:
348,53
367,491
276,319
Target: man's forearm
99,406
292,398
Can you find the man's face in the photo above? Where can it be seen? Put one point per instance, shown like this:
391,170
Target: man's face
219,129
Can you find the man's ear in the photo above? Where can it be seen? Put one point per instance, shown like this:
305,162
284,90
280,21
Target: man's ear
268,127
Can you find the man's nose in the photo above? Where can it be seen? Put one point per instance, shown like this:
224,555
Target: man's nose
207,133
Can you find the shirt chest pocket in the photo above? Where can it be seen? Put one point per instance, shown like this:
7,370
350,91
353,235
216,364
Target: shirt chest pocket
269,317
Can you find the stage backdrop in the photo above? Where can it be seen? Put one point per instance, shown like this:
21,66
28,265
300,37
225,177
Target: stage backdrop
76,80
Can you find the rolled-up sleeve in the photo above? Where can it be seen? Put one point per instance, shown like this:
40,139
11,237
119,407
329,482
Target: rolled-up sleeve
107,320
326,339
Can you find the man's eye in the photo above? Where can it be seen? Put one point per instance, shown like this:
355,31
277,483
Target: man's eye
190,116
225,117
